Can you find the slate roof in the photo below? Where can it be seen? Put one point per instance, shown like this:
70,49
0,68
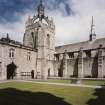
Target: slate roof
86,45
13,43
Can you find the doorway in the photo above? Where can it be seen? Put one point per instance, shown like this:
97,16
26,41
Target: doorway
11,71
60,73
32,74
48,72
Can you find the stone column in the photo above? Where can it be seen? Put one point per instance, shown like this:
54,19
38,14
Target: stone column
80,64
100,63
65,75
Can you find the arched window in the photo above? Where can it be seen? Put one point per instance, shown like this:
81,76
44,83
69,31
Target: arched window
32,34
48,40
11,53
33,39
100,46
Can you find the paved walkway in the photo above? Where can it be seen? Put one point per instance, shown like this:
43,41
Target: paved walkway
58,84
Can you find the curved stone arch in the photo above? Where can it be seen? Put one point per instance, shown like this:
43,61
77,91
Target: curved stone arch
11,70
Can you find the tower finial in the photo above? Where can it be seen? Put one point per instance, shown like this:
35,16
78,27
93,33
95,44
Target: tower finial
40,1
40,11
92,26
92,32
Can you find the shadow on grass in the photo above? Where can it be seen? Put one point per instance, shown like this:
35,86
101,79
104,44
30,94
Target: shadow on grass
100,97
11,96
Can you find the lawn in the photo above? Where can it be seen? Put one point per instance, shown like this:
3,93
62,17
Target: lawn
85,82
18,93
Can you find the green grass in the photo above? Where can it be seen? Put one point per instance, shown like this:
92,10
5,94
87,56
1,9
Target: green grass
17,93
86,82
54,81
94,82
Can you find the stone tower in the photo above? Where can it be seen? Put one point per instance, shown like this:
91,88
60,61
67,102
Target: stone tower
40,35
92,36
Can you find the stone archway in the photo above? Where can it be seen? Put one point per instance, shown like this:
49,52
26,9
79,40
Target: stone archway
11,70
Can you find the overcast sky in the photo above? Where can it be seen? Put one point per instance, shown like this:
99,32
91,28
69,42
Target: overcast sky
72,18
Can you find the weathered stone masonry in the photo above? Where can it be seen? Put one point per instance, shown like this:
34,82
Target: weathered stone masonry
37,57
83,63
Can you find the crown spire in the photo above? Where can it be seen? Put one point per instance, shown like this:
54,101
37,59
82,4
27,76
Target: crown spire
40,1
92,26
40,11
92,32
